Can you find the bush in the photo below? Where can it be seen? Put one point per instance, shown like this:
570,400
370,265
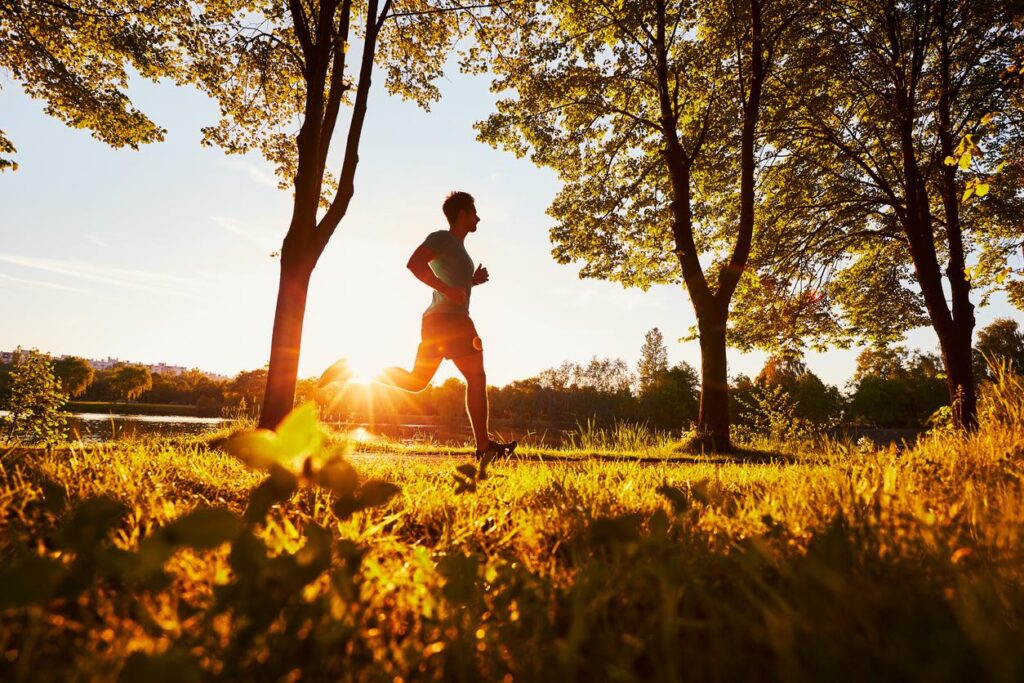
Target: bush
35,403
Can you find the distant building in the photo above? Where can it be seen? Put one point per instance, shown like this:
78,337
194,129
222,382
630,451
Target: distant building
101,364
165,369
7,357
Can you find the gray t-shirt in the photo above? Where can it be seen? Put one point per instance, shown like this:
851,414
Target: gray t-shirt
454,267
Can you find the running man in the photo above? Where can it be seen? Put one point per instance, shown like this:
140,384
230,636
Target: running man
447,331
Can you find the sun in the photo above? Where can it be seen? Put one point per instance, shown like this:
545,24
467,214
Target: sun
362,372
349,371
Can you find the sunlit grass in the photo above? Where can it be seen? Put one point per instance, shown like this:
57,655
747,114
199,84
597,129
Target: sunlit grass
642,565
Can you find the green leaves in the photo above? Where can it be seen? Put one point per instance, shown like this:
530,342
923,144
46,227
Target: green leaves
29,581
90,523
297,438
203,528
76,56
200,529
296,453
372,493
36,402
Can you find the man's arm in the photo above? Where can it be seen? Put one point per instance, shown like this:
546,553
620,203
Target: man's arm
419,264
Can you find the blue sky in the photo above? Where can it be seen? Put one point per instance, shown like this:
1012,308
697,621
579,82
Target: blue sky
162,254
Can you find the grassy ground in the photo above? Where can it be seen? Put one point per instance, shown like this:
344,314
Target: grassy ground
828,563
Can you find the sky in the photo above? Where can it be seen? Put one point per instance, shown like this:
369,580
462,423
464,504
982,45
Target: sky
163,254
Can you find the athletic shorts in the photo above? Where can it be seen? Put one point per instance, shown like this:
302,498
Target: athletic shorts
448,335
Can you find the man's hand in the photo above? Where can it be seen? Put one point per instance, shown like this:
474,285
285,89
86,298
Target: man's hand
456,295
480,276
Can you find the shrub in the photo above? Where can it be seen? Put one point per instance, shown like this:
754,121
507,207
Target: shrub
35,403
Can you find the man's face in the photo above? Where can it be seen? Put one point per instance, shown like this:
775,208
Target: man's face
469,215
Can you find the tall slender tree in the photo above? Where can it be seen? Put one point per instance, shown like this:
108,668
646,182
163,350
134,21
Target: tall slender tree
653,360
650,112
283,72
891,101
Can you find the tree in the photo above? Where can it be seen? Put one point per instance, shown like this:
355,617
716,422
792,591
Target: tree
999,342
895,388
273,65
249,386
75,375
650,113
811,399
75,55
892,96
450,399
653,361
128,381
36,402
671,399
601,374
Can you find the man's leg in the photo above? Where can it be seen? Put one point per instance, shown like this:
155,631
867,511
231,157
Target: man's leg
423,370
472,368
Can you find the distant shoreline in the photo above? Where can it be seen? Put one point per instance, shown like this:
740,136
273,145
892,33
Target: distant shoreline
132,408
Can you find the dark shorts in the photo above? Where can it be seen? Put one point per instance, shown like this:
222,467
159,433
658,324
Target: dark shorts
447,335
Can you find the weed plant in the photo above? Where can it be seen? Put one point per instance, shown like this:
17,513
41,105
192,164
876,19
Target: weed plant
847,564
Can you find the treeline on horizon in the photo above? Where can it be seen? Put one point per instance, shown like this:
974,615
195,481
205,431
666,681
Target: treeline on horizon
891,388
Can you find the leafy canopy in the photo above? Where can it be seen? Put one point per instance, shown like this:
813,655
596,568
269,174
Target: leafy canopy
78,56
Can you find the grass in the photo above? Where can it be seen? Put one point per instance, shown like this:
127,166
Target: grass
830,562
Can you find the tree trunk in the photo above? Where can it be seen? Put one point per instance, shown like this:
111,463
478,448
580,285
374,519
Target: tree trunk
958,361
713,418
286,341
956,346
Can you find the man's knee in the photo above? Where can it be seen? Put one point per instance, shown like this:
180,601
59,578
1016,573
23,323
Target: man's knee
419,381
476,378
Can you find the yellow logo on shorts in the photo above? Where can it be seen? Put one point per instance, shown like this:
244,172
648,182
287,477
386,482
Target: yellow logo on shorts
478,344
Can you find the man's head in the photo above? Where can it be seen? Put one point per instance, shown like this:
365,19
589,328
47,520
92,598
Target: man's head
460,210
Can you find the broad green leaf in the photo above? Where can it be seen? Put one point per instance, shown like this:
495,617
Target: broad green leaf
377,492
299,432
460,571
965,161
204,528
276,488
949,161
338,476
967,194
258,449
173,666
981,189
678,498
30,581
90,523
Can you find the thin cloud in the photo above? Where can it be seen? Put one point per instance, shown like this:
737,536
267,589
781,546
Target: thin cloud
255,173
97,240
116,277
258,236
40,283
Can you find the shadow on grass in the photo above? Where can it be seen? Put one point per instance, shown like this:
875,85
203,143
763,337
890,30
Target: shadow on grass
737,455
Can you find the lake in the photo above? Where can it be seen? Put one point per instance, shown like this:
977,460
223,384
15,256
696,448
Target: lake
101,427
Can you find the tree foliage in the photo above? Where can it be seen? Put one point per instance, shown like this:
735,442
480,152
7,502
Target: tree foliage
653,360
886,184
77,56
129,381
282,73
893,387
75,374
650,114
35,402
1000,342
